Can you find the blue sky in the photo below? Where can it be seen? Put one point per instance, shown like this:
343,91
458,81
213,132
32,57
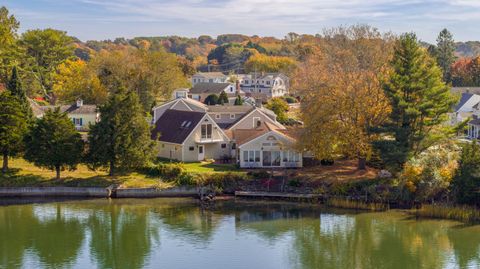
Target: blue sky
103,19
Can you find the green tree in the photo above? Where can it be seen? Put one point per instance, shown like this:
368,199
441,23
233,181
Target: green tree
211,100
122,137
53,143
45,50
238,101
420,102
14,85
223,98
466,182
445,52
8,42
279,107
12,127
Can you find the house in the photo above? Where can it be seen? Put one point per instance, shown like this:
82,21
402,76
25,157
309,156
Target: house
210,77
266,147
185,104
465,108
258,86
190,136
202,90
81,115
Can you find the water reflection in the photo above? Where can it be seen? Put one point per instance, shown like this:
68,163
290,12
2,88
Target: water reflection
176,233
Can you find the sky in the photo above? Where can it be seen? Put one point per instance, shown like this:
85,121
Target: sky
104,19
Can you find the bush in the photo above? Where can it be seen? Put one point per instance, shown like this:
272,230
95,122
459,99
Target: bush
169,171
294,183
290,99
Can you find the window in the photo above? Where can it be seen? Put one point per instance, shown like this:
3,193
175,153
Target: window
256,122
271,158
206,131
200,149
245,156
218,116
194,80
234,146
232,116
224,146
257,156
251,156
210,80
268,82
191,148
77,121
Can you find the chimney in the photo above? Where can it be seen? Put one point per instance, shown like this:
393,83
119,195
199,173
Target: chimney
258,103
79,102
237,86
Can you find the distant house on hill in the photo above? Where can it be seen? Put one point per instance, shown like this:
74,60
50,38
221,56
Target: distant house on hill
202,90
81,115
209,77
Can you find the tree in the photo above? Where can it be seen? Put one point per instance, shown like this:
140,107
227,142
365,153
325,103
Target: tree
279,107
53,143
74,80
445,52
238,101
15,87
264,63
12,127
211,100
45,50
223,98
8,42
342,95
420,102
122,137
466,182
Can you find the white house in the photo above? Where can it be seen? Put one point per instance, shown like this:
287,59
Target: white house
465,107
209,77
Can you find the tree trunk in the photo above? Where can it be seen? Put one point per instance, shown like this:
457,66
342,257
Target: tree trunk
112,168
362,163
5,163
57,170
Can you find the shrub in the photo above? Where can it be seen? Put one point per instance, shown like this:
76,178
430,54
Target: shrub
290,99
294,183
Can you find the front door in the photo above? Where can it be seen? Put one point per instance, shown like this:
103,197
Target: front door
201,152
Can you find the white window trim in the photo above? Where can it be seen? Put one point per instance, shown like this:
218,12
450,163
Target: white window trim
255,119
232,116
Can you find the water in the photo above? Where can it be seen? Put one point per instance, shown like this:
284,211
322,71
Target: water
175,233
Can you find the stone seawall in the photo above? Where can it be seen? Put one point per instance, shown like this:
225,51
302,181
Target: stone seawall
95,192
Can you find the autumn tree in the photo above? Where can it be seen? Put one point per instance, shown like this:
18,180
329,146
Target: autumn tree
74,79
420,102
445,52
13,127
342,95
280,107
45,50
264,63
8,43
54,143
121,139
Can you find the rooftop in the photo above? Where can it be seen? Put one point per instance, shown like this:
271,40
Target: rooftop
174,126
206,87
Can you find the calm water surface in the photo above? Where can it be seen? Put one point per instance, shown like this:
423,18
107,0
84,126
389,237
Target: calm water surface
176,233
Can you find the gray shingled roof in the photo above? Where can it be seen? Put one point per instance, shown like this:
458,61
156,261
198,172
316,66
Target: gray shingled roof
211,88
465,97
73,109
174,126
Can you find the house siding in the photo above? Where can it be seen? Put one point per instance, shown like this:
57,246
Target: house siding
87,119
169,150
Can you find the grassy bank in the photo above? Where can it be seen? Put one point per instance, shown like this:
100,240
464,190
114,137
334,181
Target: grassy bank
355,204
460,213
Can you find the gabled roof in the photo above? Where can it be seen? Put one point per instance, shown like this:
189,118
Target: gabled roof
211,88
211,74
276,123
73,109
174,126
465,97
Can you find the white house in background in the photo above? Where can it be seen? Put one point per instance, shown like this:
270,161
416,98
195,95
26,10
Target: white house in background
200,91
465,107
209,77
81,115
264,86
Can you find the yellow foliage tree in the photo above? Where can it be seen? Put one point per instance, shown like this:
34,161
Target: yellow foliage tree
264,63
74,79
342,97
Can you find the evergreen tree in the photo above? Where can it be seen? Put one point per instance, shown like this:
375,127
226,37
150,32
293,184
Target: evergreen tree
14,85
122,137
466,182
445,52
12,127
53,143
238,101
420,102
211,100
223,98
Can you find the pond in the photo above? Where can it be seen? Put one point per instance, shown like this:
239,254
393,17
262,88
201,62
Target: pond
176,233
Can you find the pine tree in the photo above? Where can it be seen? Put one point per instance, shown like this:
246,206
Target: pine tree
122,137
211,100
53,143
223,98
420,102
445,52
238,101
466,182
14,85
12,127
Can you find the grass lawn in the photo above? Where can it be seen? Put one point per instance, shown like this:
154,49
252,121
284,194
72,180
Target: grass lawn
209,167
23,173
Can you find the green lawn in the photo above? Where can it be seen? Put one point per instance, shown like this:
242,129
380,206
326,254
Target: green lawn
23,173
208,167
